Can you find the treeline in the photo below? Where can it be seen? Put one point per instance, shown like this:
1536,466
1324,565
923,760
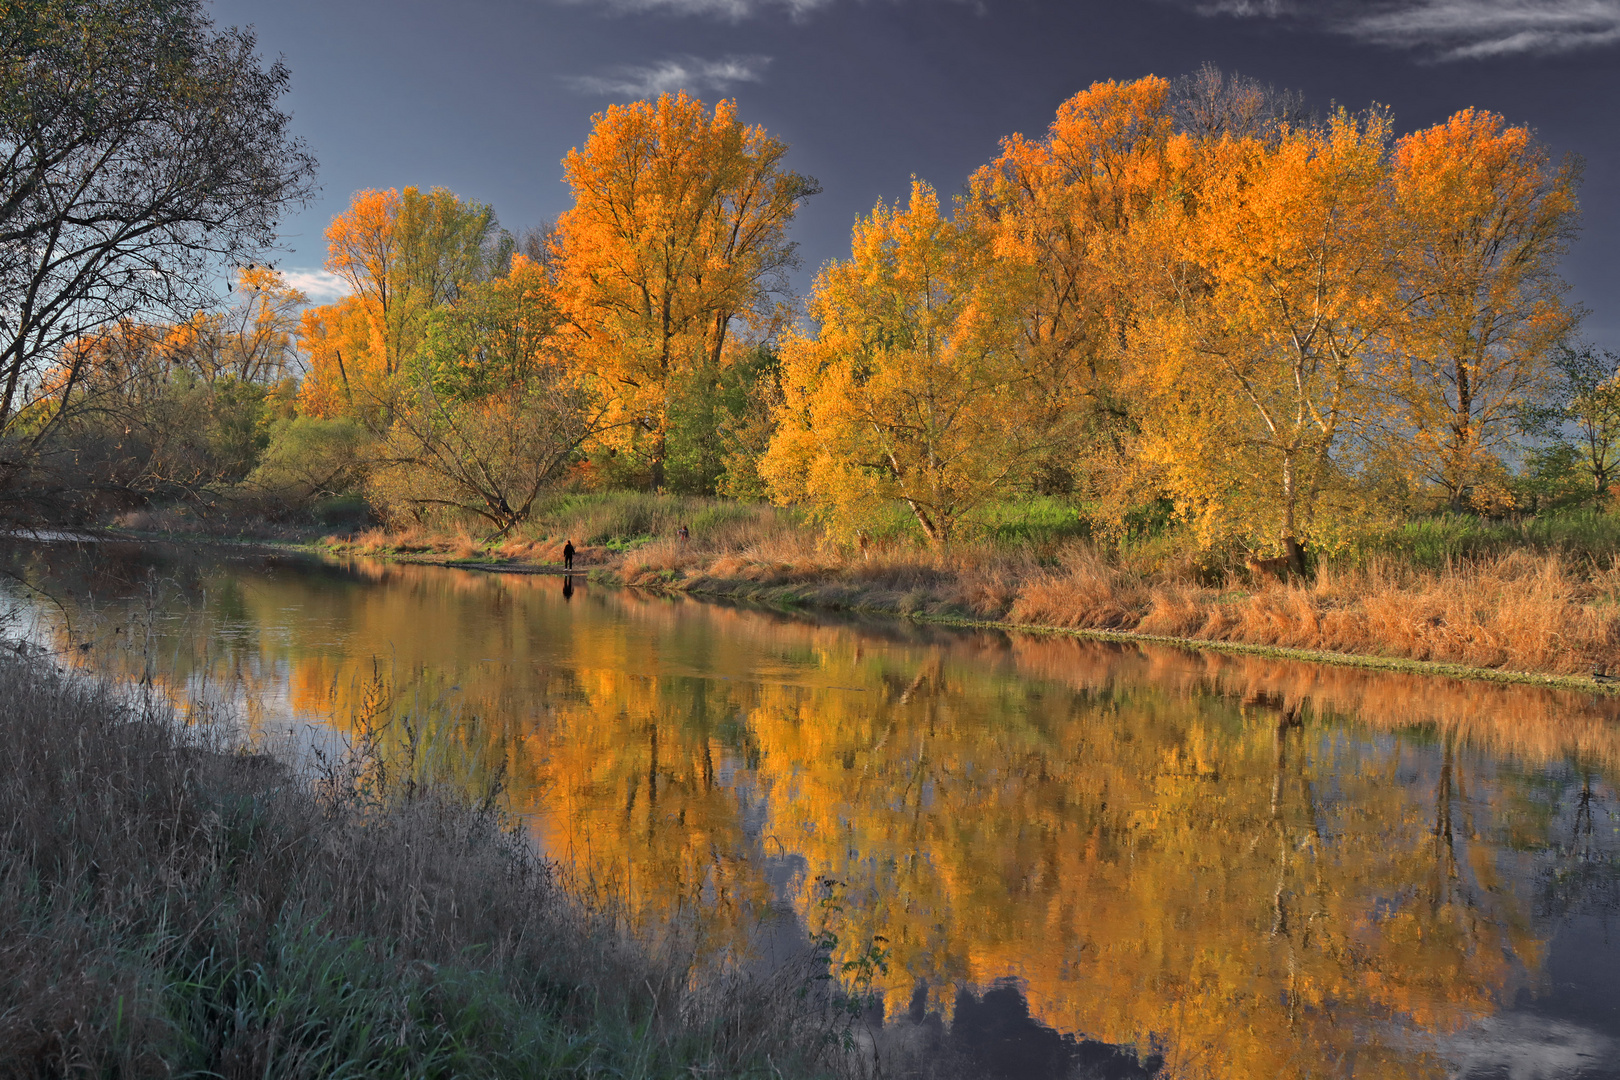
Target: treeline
1187,301
1283,330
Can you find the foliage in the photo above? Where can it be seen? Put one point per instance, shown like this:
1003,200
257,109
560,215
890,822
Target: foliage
252,341
1580,417
498,333
143,149
406,256
1293,329
1483,216
719,425
152,411
307,458
1188,307
1060,216
900,395
678,228
1274,294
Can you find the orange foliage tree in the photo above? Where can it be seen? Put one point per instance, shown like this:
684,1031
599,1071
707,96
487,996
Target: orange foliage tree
336,343
1189,290
1060,215
1485,216
678,228
1275,291
251,341
403,255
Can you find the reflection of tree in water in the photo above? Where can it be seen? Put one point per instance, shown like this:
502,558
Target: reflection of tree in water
1582,876
1243,881
1172,851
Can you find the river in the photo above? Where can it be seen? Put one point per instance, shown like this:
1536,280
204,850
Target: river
1145,858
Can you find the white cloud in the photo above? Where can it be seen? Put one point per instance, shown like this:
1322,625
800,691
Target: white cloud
735,10
1245,8
1462,29
738,10
321,286
1448,29
671,74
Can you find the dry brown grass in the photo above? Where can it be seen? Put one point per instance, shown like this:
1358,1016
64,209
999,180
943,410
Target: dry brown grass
1517,611
1520,611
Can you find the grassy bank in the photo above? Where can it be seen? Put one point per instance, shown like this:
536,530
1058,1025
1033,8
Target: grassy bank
1540,596
170,906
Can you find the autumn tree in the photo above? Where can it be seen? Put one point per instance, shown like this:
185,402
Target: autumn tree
252,340
140,150
141,421
1059,214
678,228
1278,286
1485,216
903,392
403,255
335,343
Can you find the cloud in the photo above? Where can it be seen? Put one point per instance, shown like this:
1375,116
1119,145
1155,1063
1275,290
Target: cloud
671,74
1448,29
1463,29
321,286
736,10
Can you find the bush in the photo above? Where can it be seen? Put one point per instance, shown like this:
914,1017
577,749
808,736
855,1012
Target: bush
309,459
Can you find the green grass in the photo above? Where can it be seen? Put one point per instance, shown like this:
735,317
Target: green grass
1039,519
1434,542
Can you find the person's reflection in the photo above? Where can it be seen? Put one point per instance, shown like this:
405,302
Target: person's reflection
568,586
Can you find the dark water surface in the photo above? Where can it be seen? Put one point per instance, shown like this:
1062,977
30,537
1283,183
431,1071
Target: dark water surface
1079,858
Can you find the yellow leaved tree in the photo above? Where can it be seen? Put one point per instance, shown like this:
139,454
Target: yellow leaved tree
1275,289
1059,215
906,390
678,229
1485,216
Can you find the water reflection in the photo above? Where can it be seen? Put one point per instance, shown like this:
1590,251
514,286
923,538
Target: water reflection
1236,866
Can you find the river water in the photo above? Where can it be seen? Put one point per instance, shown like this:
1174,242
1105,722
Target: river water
1066,854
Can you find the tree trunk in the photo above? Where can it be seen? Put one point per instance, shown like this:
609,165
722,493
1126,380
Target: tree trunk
1293,550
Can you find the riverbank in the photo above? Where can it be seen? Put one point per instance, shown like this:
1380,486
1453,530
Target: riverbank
1537,601
1517,616
173,905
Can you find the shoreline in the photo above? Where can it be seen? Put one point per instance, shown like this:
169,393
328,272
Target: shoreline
785,598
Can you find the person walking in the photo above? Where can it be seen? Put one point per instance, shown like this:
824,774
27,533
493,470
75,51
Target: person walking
568,555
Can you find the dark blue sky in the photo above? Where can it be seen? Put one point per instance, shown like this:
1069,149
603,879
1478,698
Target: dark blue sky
486,96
